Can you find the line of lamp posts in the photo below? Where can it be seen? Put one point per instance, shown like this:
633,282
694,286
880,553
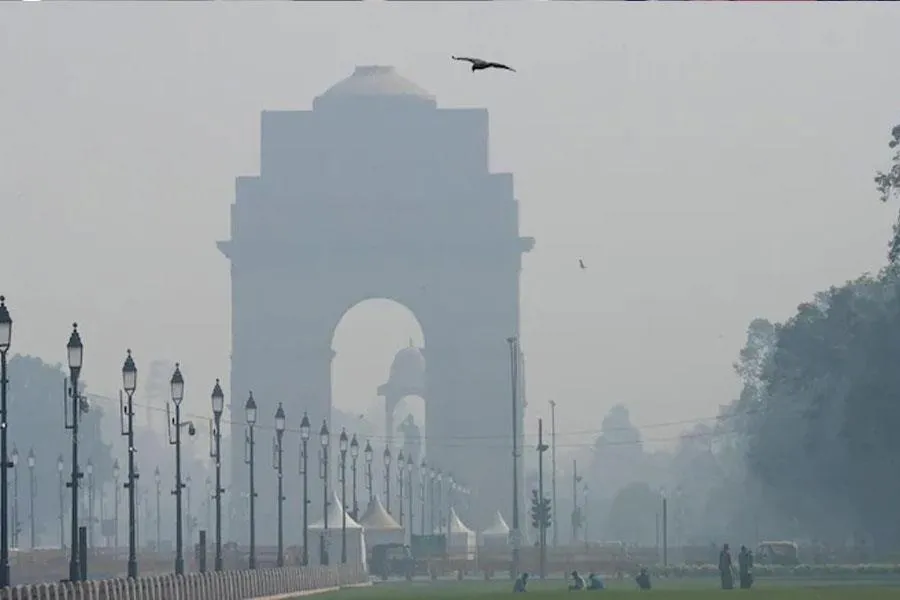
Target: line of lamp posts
75,405
346,445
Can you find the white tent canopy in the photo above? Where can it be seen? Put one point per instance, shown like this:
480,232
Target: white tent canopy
498,527
333,536
462,540
495,538
380,526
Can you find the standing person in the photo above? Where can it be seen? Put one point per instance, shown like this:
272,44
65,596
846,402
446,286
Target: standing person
745,568
643,579
726,567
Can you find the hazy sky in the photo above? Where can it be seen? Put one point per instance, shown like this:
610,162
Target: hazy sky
710,162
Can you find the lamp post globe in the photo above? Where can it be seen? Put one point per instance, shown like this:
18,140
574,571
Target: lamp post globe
218,400
129,374
60,465
409,463
5,326
89,468
14,458
250,410
75,351
387,457
177,385
116,469
368,453
354,447
31,458
343,441
324,435
304,428
279,420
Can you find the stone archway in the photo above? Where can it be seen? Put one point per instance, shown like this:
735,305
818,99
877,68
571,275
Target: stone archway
378,193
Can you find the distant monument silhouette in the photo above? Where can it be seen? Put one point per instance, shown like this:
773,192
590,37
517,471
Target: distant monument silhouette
378,193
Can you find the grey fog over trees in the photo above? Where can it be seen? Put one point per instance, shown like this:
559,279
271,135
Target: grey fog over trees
808,450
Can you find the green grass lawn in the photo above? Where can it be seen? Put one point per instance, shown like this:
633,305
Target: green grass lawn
673,589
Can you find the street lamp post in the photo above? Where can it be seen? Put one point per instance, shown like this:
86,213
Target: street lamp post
5,341
157,478
218,405
387,478
62,528
401,464
279,467
369,455
304,470
116,472
177,388
343,450
354,456
188,513
514,376
423,474
31,493
409,492
250,410
15,511
323,474
129,384
89,469
75,355
432,475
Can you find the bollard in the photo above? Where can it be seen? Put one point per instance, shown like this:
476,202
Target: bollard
201,551
82,551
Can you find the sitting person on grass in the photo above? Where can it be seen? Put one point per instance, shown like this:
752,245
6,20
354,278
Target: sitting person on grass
577,582
521,583
643,579
594,582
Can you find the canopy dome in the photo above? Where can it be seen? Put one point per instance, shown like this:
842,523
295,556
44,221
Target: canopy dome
377,518
375,81
456,524
498,527
335,513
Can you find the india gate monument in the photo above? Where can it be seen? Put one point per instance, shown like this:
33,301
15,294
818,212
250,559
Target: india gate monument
375,193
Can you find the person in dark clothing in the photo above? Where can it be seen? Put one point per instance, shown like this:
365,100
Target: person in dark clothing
643,579
594,582
521,583
577,582
726,568
745,568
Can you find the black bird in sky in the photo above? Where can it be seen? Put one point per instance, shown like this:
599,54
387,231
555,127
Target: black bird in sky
581,264
480,65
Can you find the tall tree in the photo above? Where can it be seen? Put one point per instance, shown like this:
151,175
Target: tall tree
888,185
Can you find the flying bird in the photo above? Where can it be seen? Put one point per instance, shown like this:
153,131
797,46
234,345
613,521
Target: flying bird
581,264
480,65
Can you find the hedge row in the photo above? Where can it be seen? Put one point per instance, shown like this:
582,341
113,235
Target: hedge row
782,571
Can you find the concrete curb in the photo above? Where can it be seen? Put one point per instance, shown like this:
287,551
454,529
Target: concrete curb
303,593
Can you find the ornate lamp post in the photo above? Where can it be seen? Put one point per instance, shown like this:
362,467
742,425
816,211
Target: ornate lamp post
423,474
354,456
323,474
5,341
342,446
218,405
401,464
75,355
304,470
116,470
31,492
157,478
177,388
62,519
369,455
250,409
279,464
387,478
129,384
15,513
89,469
409,492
